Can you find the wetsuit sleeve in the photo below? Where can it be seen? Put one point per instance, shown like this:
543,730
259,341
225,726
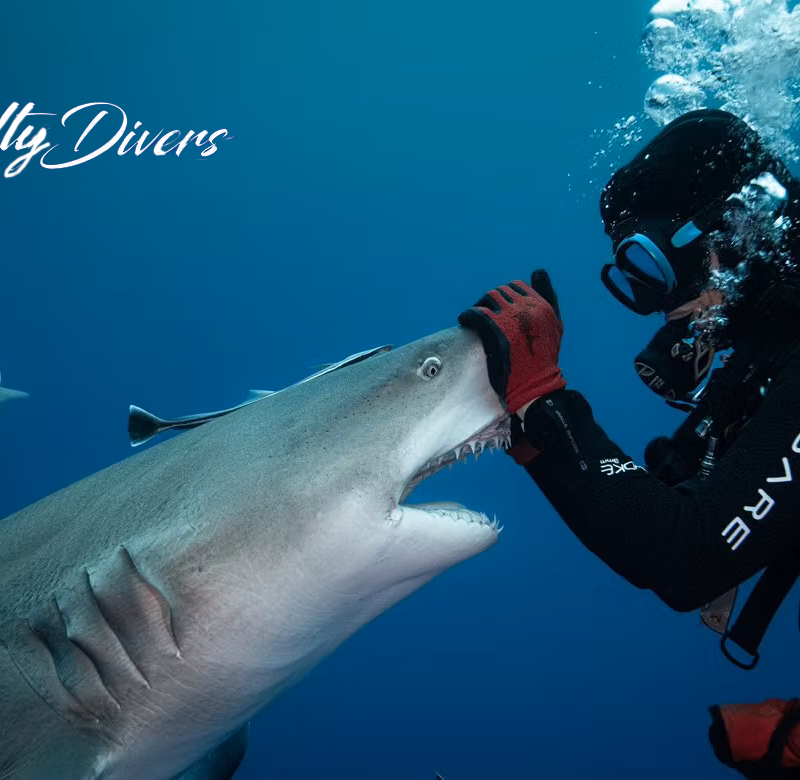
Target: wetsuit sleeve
687,546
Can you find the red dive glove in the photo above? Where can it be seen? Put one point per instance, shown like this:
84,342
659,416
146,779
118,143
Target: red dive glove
520,327
759,740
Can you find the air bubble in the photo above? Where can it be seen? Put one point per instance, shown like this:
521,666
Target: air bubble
671,96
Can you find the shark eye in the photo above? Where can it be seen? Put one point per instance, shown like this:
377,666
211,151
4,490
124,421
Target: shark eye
430,368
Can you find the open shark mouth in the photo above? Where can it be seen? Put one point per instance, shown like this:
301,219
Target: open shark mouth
495,436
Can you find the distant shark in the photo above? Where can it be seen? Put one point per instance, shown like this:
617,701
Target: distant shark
10,395
149,611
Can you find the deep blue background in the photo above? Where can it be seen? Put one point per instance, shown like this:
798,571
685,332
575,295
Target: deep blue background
391,161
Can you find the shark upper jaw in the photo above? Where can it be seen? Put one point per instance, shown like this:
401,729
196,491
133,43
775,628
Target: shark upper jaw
496,435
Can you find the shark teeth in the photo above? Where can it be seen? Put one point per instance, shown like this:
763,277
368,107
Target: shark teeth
462,452
495,437
464,516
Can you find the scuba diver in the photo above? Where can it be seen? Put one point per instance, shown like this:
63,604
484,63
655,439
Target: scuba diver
705,228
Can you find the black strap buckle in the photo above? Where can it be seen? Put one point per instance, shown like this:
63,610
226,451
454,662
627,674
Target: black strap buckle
746,666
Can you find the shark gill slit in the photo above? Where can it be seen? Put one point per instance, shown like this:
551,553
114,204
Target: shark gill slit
34,639
133,665
167,615
84,651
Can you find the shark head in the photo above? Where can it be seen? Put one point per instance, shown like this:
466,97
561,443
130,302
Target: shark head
420,409
325,511
438,408
396,419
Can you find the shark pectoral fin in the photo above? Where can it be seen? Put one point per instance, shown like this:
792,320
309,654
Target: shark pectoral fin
10,395
223,761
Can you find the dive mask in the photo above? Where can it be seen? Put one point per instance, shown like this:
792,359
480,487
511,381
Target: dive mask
642,277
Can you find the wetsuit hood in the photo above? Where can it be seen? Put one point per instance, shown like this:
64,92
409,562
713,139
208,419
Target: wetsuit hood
692,166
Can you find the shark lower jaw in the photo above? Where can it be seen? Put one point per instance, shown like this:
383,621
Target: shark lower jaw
495,436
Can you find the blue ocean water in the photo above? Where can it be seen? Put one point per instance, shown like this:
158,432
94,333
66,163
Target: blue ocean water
390,162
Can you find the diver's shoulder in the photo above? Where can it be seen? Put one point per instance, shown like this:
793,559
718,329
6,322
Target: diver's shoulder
788,366
793,354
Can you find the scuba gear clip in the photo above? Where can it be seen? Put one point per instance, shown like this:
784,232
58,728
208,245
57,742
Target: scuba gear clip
675,363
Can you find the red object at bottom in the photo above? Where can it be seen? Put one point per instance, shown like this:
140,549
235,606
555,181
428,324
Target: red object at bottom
750,729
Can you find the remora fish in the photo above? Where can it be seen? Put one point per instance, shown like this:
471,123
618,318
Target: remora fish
144,426
10,395
149,611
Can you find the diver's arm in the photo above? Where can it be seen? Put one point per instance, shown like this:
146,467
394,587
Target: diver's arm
688,548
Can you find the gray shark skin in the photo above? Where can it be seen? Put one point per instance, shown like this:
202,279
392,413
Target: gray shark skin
148,611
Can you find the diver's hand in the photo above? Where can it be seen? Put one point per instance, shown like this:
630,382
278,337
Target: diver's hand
520,327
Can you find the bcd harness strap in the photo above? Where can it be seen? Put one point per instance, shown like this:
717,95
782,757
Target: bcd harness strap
757,613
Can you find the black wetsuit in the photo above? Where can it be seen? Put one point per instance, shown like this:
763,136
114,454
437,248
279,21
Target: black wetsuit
690,542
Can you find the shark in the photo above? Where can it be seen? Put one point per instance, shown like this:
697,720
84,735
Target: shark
150,610
10,395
